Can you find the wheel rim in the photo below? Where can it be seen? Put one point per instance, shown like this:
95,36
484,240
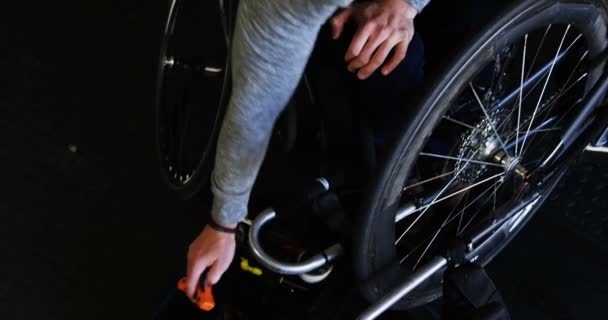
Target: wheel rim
191,90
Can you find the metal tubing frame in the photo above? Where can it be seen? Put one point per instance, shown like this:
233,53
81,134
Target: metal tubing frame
602,141
413,281
287,268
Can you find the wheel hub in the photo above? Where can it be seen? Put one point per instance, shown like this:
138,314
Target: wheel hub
481,144
478,144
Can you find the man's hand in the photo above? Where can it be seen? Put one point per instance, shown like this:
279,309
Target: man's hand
211,250
382,26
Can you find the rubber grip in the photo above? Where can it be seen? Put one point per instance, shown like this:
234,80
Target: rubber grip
204,297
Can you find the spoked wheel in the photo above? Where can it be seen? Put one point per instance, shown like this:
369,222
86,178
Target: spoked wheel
468,163
192,89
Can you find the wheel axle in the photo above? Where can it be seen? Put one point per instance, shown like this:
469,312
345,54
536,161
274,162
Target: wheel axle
511,164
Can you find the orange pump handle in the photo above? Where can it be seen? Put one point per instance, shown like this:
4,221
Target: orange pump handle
203,297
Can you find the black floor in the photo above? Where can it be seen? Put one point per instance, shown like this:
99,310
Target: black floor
88,231
555,268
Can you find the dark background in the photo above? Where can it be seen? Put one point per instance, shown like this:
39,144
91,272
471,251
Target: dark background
94,233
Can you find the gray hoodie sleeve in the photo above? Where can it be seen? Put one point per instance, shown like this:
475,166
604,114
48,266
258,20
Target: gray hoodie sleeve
272,42
418,4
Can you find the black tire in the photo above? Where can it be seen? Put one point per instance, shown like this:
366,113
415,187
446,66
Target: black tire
374,251
195,37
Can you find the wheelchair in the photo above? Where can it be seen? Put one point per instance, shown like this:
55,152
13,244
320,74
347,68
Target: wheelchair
474,159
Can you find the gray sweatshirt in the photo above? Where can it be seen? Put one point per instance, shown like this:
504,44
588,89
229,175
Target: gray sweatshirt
272,42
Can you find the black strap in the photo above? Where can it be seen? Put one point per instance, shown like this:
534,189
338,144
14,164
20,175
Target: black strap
215,226
469,293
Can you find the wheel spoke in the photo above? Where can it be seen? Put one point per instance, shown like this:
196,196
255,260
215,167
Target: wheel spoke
435,201
447,221
437,197
542,41
568,111
168,139
560,56
461,212
433,239
451,217
176,136
418,246
538,76
180,133
429,180
485,163
574,71
559,145
546,130
552,104
460,123
548,107
478,211
485,112
521,93
184,134
494,196
544,88
567,86
539,128
582,77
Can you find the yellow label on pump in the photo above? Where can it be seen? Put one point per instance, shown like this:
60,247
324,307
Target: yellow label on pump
247,268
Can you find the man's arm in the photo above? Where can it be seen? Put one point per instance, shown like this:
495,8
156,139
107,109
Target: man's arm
272,43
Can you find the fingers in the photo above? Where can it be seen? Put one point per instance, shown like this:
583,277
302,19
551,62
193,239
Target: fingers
378,59
398,56
196,267
216,270
338,22
359,40
370,47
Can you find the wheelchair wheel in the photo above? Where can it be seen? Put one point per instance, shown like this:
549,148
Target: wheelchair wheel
469,163
192,90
